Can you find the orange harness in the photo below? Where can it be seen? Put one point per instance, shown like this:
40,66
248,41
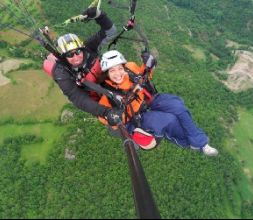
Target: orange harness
135,97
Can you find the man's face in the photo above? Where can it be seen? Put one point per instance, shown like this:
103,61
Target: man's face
117,74
75,57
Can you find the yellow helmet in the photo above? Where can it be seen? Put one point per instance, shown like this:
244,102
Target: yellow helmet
68,42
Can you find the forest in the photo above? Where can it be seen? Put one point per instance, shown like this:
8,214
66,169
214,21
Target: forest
96,184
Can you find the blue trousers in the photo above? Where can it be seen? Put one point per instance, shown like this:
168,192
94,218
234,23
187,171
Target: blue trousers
169,118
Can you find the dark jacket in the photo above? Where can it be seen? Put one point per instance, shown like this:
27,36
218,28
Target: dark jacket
79,96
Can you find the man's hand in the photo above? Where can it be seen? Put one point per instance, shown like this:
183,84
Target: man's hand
149,60
92,13
113,116
130,24
117,100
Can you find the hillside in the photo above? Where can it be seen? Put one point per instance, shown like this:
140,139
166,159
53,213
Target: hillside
240,75
190,39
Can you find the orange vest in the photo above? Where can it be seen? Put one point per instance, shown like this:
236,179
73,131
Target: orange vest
137,96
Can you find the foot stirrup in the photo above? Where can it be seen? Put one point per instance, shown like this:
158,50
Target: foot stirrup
145,140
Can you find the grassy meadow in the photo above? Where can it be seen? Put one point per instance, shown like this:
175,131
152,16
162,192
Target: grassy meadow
30,104
241,146
38,152
32,95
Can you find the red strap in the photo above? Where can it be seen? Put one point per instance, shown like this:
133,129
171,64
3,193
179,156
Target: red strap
148,95
49,64
90,77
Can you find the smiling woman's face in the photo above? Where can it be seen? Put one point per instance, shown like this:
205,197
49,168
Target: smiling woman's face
117,74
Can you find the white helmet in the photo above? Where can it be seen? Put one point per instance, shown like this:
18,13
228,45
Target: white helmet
110,59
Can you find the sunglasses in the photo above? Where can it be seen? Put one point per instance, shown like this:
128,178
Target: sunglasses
72,54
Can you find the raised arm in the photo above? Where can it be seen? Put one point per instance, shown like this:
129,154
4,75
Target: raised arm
107,32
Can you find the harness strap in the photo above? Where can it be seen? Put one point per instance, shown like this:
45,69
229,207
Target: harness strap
136,117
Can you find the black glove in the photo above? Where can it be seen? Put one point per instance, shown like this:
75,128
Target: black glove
117,100
149,60
92,13
113,116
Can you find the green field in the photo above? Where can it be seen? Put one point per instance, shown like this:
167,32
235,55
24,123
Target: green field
197,53
32,95
12,36
34,152
242,148
3,52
